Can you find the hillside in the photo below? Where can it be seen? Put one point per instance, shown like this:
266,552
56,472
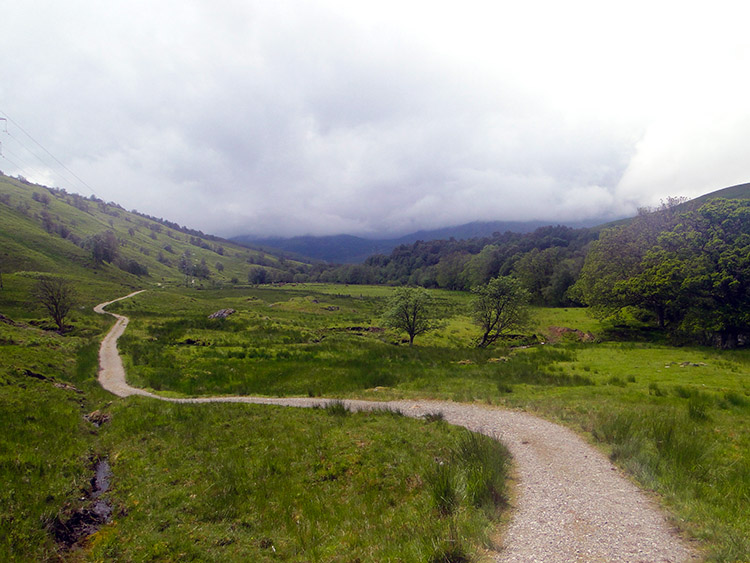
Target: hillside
740,191
49,230
348,249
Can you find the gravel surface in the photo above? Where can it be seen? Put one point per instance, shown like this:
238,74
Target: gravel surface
573,504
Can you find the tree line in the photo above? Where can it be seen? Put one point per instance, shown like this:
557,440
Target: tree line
682,269
686,273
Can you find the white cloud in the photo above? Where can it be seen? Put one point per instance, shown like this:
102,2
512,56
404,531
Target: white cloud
332,116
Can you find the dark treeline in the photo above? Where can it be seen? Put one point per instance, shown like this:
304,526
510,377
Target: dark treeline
546,261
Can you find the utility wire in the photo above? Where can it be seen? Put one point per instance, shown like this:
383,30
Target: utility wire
11,162
8,118
25,167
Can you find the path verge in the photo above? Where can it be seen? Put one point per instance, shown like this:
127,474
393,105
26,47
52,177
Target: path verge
573,504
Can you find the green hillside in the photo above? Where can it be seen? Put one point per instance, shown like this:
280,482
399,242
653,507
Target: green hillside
49,230
740,191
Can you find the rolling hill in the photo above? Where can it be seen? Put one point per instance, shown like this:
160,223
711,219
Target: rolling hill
49,230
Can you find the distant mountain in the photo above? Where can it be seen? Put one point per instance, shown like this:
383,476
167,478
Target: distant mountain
348,249
336,249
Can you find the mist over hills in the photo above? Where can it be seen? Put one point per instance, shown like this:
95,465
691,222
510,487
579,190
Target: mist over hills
48,229
350,249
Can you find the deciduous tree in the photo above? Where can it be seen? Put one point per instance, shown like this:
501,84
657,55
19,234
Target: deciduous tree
500,308
57,295
104,247
410,310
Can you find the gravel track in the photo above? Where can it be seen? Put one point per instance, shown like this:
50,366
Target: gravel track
573,504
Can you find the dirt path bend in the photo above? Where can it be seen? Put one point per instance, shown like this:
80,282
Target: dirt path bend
573,504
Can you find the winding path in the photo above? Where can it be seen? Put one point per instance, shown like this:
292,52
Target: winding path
573,504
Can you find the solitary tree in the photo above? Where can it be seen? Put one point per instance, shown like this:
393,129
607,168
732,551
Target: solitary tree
57,295
409,310
500,307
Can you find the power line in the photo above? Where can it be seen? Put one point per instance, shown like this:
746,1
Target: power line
11,162
24,167
8,119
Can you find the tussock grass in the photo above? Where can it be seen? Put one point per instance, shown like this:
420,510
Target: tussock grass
246,482
472,475
672,450
45,446
336,408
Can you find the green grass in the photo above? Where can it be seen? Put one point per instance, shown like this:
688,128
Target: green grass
677,419
254,483
46,447
288,342
220,482
31,241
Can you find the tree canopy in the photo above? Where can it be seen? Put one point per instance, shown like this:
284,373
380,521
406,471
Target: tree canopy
410,310
500,308
692,275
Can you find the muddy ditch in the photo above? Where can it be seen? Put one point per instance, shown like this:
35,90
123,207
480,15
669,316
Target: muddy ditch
69,528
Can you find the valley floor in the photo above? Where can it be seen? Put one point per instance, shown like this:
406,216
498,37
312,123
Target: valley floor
573,504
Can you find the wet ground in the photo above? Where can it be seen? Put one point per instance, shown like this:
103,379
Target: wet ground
70,528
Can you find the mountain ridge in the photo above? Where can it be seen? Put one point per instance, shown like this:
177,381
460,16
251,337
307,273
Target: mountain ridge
351,249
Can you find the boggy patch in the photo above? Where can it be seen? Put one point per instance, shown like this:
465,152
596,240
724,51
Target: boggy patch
68,529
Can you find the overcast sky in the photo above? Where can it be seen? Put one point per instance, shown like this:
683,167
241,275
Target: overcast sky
286,117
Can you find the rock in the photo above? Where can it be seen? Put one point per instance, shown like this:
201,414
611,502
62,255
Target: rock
558,333
67,387
97,418
221,314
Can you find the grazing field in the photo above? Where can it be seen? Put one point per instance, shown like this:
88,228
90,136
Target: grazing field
676,418
225,482
192,481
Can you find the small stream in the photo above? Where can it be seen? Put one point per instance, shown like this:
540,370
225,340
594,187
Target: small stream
90,517
100,484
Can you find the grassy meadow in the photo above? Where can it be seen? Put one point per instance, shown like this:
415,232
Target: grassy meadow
676,418
243,482
223,482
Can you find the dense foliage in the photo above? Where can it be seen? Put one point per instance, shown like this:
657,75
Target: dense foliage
688,273
547,262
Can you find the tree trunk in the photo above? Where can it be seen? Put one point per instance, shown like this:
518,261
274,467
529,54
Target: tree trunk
729,339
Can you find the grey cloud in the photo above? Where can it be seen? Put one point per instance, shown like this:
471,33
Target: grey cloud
295,117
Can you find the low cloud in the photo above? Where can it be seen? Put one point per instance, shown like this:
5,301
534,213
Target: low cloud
294,117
